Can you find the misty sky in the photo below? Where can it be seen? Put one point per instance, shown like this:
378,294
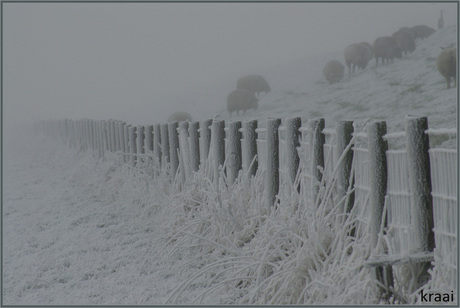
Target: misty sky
139,62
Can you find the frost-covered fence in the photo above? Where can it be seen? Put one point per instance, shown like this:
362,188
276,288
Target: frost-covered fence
403,197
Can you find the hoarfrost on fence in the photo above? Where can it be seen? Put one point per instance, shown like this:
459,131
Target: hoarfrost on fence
444,191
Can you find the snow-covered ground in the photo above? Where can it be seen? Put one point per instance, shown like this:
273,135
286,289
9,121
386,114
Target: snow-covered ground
80,232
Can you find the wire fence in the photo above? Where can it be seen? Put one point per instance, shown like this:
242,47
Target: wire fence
406,195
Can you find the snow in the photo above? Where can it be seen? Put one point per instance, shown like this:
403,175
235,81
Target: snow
79,231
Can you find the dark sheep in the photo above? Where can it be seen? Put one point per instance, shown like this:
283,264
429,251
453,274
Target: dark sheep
370,50
385,47
241,100
333,71
446,63
356,55
405,40
180,117
422,31
253,83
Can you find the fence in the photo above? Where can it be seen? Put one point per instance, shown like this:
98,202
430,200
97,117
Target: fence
408,193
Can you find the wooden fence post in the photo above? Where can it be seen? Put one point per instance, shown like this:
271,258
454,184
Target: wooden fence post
121,137
93,134
173,146
272,162
116,129
205,135
104,137
184,153
114,137
157,146
127,145
148,144
164,145
109,138
194,146
250,139
234,151
343,135
316,142
140,144
109,135
292,143
378,188
418,164
132,145
86,134
218,145
99,139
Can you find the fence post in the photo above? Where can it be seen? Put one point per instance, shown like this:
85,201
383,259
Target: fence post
292,143
86,132
272,162
93,134
148,144
102,136
116,130
140,143
127,145
234,149
109,135
99,138
250,139
173,146
316,143
194,145
418,163
164,145
378,189
205,135
343,135
114,136
157,146
132,145
184,153
121,137
218,144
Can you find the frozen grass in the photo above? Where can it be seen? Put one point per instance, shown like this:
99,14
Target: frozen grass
166,242
297,254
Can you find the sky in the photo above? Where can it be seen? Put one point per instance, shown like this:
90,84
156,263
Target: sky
139,62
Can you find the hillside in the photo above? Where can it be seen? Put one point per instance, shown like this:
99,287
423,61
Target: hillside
411,85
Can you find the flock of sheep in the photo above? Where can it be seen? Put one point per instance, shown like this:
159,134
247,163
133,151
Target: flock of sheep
403,41
389,47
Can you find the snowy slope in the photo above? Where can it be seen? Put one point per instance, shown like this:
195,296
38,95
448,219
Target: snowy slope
411,85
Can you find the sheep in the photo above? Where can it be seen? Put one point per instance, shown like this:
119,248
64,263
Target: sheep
356,54
180,116
370,51
446,63
440,22
421,31
253,83
405,40
333,71
241,99
385,47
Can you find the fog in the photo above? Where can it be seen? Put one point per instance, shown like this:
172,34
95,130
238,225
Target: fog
139,62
